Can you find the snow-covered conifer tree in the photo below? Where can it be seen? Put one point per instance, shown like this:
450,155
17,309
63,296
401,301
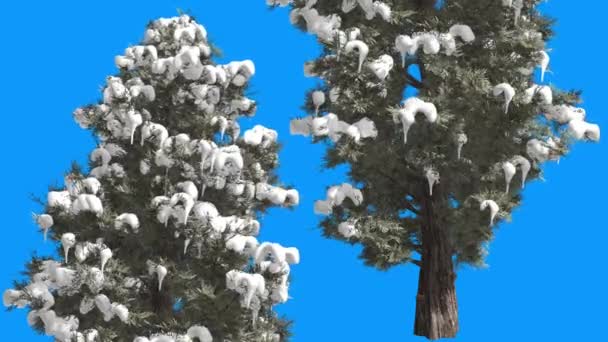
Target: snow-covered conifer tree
157,242
433,171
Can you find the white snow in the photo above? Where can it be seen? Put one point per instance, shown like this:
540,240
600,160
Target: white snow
127,219
507,91
260,136
406,115
432,177
493,209
68,240
583,130
277,195
87,203
336,196
330,125
361,48
382,66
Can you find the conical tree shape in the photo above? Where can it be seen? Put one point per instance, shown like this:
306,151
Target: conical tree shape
158,240
432,173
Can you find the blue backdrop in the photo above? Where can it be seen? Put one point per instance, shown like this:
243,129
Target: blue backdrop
547,272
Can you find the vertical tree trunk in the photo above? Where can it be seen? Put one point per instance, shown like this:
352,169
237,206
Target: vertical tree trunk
436,306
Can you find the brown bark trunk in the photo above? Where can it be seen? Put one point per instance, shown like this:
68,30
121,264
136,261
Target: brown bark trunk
436,306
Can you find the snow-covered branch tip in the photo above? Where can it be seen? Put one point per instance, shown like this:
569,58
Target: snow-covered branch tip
332,127
336,196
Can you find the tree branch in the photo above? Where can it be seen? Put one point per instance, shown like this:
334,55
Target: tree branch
411,208
411,80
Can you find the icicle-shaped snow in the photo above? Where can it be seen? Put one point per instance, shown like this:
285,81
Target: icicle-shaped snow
68,240
461,140
318,99
186,201
544,64
407,114
45,222
493,209
133,120
406,46
525,166
361,48
517,7
510,171
186,244
105,255
248,285
223,124
432,177
507,91
207,150
159,270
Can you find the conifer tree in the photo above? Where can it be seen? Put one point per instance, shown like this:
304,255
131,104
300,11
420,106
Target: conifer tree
433,173
157,242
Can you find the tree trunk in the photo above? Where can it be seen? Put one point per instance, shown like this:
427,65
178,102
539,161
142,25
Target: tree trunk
436,306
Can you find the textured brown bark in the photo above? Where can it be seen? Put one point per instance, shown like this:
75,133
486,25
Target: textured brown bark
436,306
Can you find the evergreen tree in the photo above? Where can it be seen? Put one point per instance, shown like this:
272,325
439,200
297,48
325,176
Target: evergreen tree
158,241
433,174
